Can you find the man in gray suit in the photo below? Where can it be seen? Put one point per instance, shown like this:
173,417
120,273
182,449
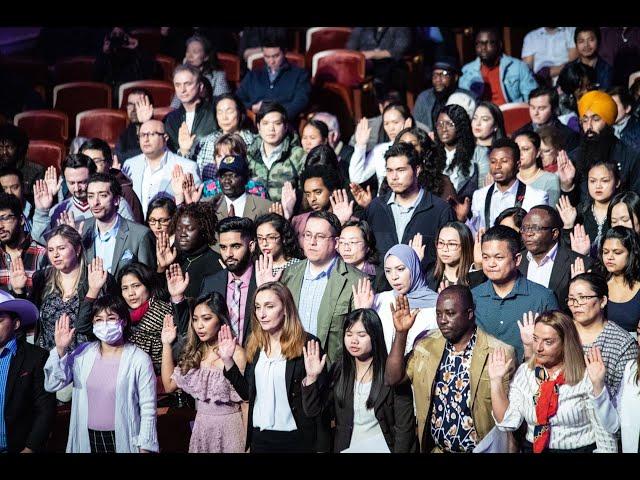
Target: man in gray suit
108,235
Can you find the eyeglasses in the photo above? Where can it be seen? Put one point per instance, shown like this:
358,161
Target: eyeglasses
579,300
442,73
533,228
316,236
349,243
450,245
447,124
161,221
7,218
150,134
268,238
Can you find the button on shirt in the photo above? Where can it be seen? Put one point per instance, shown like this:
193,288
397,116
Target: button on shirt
238,204
151,179
541,272
270,159
272,410
245,278
7,353
313,287
402,215
548,48
105,244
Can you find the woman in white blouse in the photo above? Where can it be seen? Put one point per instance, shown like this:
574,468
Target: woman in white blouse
628,406
562,399
272,379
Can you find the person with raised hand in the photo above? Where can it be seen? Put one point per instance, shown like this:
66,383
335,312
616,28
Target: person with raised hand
275,236
272,379
369,415
442,366
113,406
220,424
571,410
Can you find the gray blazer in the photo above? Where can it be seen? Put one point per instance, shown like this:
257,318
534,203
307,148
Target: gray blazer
134,242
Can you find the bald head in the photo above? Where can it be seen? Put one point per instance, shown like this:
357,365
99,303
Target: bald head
153,139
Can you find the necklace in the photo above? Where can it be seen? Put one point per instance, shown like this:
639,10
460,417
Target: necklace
190,261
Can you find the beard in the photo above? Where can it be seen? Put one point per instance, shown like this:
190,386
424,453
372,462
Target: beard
241,266
594,147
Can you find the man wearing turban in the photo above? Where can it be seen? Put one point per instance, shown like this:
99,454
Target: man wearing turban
598,112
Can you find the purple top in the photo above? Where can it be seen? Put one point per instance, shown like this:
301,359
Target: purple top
101,393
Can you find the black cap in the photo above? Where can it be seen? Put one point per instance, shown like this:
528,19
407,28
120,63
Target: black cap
234,163
447,63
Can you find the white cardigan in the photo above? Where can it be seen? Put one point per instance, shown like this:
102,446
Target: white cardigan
363,165
628,406
135,422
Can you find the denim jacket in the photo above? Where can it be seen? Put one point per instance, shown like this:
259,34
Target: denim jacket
515,77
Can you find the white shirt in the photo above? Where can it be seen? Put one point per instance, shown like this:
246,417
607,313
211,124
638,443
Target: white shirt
151,178
628,406
578,422
541,272
105,243
548,49
190,117
271,410
363,166
238,204
426,320
454,174
501,201
367,435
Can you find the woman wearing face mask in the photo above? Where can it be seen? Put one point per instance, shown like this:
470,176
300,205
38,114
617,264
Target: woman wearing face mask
531,171
620,255
114,386
487,125
220,424
571,411
588,297
276,237
363,165
590,218
272,380
404,274
624,211
370,417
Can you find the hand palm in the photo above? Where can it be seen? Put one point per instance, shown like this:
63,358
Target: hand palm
168,335
497,368
226,348
166,256
313,365
403,320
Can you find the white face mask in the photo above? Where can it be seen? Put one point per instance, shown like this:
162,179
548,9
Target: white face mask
109,332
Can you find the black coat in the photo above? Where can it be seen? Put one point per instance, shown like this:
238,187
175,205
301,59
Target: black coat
393,408
429,215
560,273
29,411
218,283
474,278
204,123
314,432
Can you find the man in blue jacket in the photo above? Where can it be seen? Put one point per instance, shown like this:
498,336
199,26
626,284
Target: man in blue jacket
278,81
494,76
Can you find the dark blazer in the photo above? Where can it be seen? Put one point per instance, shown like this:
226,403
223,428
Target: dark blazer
570,139
29,411
474,278
132,237
218,283
204,123
313,432
429,215
393,408
560,273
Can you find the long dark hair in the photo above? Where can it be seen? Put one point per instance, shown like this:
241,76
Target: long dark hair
465,141
632,200
347,373
290,247
369,239
432,164
629,240
466,253
498,119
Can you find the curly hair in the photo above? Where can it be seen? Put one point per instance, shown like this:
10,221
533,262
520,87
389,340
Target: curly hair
204,214
430,177
290,247
465,141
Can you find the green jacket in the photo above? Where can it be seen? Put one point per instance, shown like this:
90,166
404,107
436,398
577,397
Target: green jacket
287,168
337,302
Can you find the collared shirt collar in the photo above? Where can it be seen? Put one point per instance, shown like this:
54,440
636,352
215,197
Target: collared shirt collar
326,271
512,189
392,199
11,346
276,151
163,161
245,277
550,256
106,236
519,288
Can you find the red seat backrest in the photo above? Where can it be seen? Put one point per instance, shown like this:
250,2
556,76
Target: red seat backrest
49,125
346,67
74,69
104,123
46,153
75,97
161,91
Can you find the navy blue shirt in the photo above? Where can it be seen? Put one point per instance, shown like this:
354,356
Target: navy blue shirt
7,354
499,316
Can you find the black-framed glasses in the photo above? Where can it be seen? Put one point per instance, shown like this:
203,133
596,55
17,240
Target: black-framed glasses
150,134
533,228
580,299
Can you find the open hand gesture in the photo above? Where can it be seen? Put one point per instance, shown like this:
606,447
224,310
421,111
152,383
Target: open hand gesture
577,267
566,171
363,131
192,194
177,183
363,197
288,200
165,254
277,209
67,218
185,139
443,284
341,206
403,317
498,364
63,334
226,345
362,293
17,275
313,364
51,179
595,369
567,212
169,330
97,276
144,109
417,245
42,197
477,248
526,327
580,241
264,270
177,283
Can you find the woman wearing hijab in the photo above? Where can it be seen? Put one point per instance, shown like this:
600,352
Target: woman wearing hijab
403,272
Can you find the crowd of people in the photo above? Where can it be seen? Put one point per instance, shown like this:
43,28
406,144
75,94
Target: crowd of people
430,285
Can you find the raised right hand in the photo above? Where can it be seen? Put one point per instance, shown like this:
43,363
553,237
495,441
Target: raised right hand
185,139
566,170
418,246
177,183
144,109
498,364
362,293
264,270
17,275
42,197
226,344
363,197
165,254
97,275
51,179
313,365
403,317
477,248
580,241
363,131
526,327
567,212
177,283
63,334
169,330
288,200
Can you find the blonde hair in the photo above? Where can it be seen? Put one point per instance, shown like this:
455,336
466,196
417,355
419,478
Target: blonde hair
293,336
572,354
53,283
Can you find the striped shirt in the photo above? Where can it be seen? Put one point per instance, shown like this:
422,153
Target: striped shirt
204,152
618,347
577,423
33,255
313,287
7,353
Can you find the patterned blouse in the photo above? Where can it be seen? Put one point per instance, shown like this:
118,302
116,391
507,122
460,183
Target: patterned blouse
204,152
452,426
146,333
53,306
291,261
253,187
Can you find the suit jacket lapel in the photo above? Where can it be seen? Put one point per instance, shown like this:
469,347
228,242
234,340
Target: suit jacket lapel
295,284
247,308
335,284
249,207
387,208
561,268
87,239
478,360
222,211
14,371
121,238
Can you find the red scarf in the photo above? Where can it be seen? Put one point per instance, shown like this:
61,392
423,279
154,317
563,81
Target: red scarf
546,407
138,313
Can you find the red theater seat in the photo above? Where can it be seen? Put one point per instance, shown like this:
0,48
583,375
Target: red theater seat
49,125
104,123
515,115
161,91
46,153
75,97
